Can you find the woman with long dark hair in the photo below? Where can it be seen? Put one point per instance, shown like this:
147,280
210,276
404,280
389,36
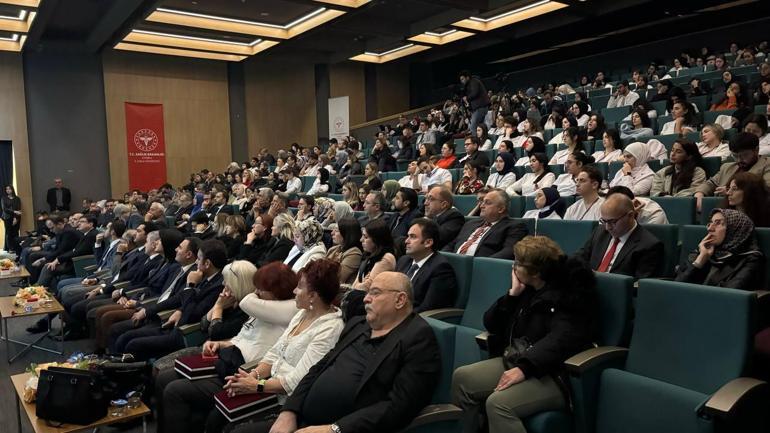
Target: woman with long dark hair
11,205
346,235
540,177
748,193
684,175
321,183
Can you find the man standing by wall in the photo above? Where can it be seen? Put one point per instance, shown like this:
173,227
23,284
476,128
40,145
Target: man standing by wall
58,197
475,97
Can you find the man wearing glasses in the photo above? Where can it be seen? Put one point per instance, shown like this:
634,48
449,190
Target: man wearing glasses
620,245
377,378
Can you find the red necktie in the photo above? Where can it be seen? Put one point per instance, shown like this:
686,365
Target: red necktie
608,257
473,238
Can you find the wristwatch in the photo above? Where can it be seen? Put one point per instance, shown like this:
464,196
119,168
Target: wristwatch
261,385
335,428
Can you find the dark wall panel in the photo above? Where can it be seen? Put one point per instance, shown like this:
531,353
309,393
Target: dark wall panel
67,125
236,89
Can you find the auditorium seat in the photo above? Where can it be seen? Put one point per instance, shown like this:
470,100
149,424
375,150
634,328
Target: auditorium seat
669,235
335,197
700,101
711,165
465,203
358,179
675,376
763,238
463,267
79,264
711,116
570,235
689,238
679,210
516,206
660,107
615,114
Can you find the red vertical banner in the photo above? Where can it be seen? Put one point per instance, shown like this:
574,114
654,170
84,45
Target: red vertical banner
146,146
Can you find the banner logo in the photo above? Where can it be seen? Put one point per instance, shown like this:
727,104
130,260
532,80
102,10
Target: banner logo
146,140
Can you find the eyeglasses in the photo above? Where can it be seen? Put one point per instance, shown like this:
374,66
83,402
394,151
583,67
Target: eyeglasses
613,221
377,292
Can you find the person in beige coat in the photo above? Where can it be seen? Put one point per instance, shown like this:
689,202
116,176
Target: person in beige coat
685,174
346,236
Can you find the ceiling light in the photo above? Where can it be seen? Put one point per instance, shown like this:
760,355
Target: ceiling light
346,3
178,52
233,25
13,38
389,55
195,38
21,17
23,3
20,23
13,43
197,43
440,38
510,17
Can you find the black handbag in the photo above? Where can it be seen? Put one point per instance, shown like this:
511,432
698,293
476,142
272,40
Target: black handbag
71,396
515,350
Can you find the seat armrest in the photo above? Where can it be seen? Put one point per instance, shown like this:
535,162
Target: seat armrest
150,301
121,286
134,291
588,359
763,295
435,413
443,313
483,341
190,328
164,315
102,274
90,268
251,365
730,396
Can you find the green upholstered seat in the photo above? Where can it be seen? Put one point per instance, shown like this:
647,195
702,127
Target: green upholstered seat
669,235
465,203
570,235
463,267
679,210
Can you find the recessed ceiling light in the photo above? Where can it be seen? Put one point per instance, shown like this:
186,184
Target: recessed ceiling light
264,14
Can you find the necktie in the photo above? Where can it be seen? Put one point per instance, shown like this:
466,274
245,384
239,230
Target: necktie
473,238
396,222
412,270
171,286
605,264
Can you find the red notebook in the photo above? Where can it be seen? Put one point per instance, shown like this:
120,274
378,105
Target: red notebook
196,366
245,405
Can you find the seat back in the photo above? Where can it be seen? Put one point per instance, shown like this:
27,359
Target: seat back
711,165
679,210
669,235
689,238
692,336
335,197
491,279
307,182
708,204
516,206
615,293
711,116
763,238
615,114
570,235
79,264
445,336
463,267
465,203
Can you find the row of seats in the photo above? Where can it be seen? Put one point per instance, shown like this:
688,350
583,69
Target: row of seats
662,363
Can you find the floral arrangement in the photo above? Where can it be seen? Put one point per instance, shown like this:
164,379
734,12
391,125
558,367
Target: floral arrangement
7,264
32,293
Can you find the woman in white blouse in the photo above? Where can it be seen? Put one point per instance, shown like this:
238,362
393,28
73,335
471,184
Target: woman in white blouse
580,112
683,119
530,128
308,245
321,182
548,205
711,144
312,333
635,174
504,175
531,146
565,183
566,123
271,309
293,183
612,147
540,177
481,132
573,142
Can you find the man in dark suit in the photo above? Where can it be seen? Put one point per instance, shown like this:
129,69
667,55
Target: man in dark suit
438,207
203,288
494,234
620,245
374,206
377,378
434,283
473,154
66,239
405,205
58,197
219,205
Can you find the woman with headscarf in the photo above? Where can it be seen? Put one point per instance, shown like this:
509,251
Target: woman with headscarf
322,210
635,173
548,205
728,256
307,245
258,240
580,112
341,210
389,189
321,183
504,176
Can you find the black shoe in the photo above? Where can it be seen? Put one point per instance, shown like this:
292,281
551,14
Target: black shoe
39,326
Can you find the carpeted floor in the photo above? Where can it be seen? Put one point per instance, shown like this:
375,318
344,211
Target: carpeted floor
16,329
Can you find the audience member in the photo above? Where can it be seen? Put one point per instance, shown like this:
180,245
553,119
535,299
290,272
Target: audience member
59,197
346,236
749,194
613,147
504,176
374,207
548,205
434,284
635,173
378,249
308,245
540,177
470,182
685,174
565,183
728,256
473,153
438,207
493,234
574,144
712,144
587,185
621,245
434,175
548,315
683,121
448,157
405,206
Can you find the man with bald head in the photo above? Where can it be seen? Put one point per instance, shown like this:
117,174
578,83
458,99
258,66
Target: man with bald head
492,235
620,245
377,378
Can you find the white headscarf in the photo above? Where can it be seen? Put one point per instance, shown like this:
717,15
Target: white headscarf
641,152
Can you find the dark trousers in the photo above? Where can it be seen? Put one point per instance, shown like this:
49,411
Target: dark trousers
185,406
118,329
149,342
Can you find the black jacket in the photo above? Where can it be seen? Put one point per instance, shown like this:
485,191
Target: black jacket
742,271
254,251
394,388
277,252
640,257
399,228
197,301
449,225
384,160
555,327
174,300
476,93
497,242
434,285
66,198
65,242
